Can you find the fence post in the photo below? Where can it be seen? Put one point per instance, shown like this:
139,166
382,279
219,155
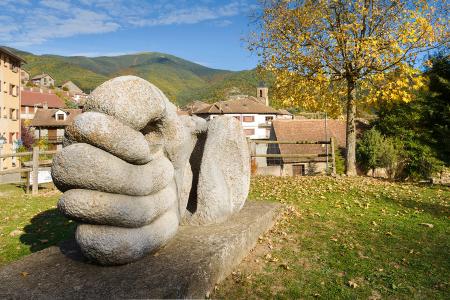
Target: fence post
333,158
35,170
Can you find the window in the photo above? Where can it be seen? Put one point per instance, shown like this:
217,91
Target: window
11,137
12,90
13,114
60,117
23,109
249,131
298,170
260,93
269,119
249,119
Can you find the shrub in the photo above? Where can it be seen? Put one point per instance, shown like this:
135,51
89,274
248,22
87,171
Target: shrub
369,149
339,161
389,157
377,151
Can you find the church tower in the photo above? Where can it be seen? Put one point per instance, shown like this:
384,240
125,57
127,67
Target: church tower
263,93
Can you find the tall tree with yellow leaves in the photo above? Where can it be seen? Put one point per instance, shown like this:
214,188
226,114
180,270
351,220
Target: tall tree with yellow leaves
329,54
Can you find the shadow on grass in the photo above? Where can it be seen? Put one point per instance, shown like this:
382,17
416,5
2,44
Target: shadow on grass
434,209
46,229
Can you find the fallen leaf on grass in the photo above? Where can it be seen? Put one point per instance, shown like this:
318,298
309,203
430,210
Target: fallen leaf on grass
285,266
24,274
427,225
352,284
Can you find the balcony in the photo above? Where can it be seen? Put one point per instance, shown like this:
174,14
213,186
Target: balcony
51,140
55,140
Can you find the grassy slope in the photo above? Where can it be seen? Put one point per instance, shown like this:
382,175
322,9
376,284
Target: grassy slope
61,71
348,239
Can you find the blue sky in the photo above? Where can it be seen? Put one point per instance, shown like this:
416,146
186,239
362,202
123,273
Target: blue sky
204,31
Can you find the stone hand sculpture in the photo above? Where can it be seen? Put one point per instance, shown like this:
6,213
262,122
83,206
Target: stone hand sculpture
132,170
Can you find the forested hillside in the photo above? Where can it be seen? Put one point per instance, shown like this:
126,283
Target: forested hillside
181,80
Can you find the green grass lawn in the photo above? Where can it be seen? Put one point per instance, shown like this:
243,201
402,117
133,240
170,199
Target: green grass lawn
348,238
338,238
29,224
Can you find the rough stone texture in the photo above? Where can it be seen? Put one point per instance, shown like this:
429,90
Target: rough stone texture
224,177
187,267
131,99
82,166
111,135
124,151
110,245
101,208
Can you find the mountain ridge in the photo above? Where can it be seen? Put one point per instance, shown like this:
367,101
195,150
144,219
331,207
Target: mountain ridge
181,80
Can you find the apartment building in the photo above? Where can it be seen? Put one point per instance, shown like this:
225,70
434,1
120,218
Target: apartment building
10,66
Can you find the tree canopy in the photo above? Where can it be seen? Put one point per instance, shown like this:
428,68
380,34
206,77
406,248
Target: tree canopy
329,54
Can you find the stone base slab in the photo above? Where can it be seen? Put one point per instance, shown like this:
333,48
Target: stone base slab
189,266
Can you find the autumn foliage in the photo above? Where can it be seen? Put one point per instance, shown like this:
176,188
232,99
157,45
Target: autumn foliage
329,55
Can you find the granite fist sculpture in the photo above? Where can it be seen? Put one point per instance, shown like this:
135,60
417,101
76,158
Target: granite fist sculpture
132,170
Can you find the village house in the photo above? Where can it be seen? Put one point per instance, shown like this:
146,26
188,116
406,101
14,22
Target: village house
313,158
254,113
10,66
50,124
43,80
35,98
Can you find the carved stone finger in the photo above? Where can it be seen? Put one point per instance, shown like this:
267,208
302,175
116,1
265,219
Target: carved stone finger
131,99
82,166
110,245
95,207
113,136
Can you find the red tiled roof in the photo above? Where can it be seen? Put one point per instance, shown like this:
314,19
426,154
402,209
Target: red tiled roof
29,98
308,130
240,104
7,52
46,117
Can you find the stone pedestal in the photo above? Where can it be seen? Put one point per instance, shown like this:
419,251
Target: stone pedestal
187,267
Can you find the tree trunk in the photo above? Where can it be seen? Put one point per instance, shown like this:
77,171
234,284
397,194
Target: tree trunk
350,159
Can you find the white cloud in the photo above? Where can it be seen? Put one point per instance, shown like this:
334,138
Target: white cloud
32,23
193,15
223,23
